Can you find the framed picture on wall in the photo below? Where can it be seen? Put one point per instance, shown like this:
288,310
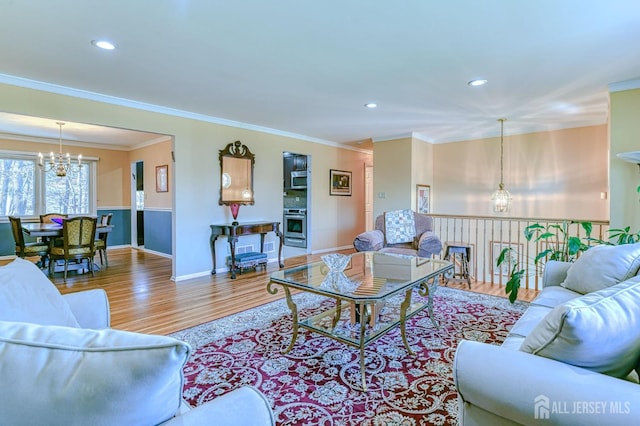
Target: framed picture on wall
515,256
339,182
423,199
162,178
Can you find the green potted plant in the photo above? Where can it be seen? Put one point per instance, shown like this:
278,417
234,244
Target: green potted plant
558,245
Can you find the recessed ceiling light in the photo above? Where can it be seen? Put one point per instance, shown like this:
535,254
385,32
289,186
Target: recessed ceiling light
371,105
478,82
103,44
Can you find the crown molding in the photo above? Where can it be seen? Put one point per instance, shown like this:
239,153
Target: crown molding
621,86
113,100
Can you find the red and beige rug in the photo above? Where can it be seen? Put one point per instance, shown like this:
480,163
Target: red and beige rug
318,382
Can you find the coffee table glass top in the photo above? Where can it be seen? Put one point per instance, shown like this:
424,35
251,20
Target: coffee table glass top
369,276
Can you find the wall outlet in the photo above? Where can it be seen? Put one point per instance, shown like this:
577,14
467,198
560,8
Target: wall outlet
382,195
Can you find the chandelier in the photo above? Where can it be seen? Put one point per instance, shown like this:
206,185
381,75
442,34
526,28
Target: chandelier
501,198
60,163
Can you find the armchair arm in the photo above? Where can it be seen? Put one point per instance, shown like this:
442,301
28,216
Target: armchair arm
555,273
369,241
90,307
245,406
429,244
516,385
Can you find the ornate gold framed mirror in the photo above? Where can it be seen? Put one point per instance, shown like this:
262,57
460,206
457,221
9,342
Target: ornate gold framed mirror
236,176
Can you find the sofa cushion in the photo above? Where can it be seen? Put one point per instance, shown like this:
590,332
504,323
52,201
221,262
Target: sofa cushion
554,296
529,320
603,266
512,342
599,331
27,295
107,377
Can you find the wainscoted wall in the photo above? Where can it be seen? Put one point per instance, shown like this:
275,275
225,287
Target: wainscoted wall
120,236
121,221
157,230
7,244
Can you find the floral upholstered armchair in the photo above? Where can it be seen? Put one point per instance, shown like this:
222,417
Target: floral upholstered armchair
401,232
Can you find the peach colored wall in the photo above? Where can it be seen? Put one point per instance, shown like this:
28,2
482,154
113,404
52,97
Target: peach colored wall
422,167
392,175
158,154
555,174
113,168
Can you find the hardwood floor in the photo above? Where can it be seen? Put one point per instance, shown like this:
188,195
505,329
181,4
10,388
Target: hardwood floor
144,299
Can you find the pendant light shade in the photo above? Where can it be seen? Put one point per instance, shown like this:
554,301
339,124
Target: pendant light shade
501,198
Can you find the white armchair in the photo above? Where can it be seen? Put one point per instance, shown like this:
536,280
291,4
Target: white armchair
61,364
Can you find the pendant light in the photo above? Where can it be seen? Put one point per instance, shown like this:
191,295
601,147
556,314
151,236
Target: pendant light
501,198
60,163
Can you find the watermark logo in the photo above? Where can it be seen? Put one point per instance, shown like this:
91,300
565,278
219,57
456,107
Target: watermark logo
541,407
544,407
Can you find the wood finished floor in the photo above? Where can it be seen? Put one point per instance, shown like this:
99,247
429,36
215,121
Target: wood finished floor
144,299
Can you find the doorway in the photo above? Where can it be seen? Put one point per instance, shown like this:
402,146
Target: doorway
137,204
368,197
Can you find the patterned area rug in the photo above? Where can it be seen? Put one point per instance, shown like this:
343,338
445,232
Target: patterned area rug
318,382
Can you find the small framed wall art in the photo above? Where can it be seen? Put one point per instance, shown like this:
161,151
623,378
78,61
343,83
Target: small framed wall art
162,178
339,182
423,199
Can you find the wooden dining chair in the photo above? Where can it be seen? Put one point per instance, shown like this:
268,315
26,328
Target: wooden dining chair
47,218
78,243
24,249
101,240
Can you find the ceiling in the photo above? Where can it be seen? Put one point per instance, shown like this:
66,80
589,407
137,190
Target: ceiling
307,68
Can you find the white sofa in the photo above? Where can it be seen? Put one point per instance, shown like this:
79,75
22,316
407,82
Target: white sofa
61,364
569,359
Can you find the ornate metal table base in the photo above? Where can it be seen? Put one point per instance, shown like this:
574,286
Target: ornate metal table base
426,288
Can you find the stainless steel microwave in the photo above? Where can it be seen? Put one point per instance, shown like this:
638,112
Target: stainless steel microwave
299,179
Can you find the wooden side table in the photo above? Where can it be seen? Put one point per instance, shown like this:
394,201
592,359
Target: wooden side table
460,255
232,232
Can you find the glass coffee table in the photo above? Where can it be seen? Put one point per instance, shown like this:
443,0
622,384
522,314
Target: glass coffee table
369,281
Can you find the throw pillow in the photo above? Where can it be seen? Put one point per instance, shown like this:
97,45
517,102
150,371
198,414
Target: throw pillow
599,331
27,295
603,266
88,377
399,226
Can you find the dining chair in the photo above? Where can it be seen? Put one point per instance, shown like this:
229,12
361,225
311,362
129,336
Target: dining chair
47,218
101,240
24,249
78,243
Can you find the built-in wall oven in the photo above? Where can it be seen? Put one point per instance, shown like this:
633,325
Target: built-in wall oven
295,227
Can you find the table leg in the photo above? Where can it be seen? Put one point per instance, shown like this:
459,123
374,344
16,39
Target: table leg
363,325
232,243
428,288
404,307
212,243
338,313
294,313
281,238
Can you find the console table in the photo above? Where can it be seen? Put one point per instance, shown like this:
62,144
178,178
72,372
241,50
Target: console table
232,232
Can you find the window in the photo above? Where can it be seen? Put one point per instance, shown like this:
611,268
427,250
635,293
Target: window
139,200
27,190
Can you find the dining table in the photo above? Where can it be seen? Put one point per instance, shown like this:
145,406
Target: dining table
51,231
